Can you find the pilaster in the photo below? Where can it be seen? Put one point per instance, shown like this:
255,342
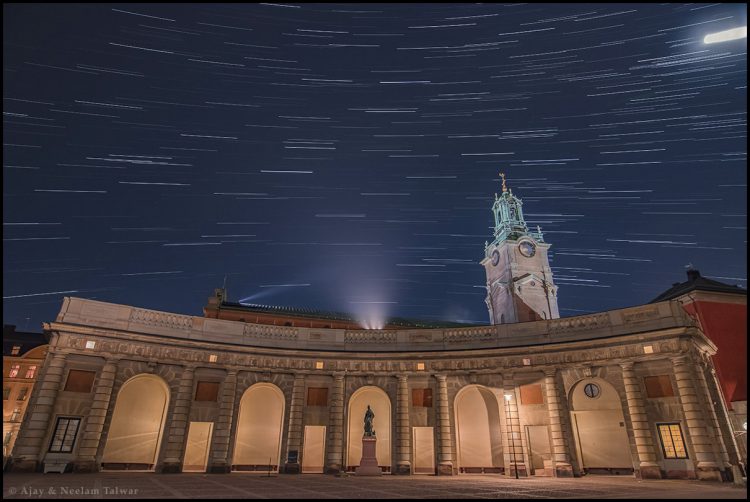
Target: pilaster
647,468
560,447
294,442
403,464
221,458
178,424
334,461
445,454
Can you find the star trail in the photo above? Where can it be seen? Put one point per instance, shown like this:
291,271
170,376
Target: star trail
345,157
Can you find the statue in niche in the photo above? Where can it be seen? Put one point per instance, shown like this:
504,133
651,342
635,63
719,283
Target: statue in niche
369,416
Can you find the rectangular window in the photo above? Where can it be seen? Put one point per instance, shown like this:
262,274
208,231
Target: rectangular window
421,398
317,396
13,373
207,391
531,394
6,440
6,393
658,386
15,350
80,381
22,394
16,415
66,431
672,443
30,372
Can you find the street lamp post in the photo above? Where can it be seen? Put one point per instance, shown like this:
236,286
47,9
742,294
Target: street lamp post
508,397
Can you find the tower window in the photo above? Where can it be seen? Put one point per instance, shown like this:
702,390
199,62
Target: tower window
13,373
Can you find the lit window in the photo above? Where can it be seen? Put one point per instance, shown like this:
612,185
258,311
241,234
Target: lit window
648,349
22,394
319,365
15,415
212,358
420,366
14,371
527,362
90,344
65,435
31,371
672,443
15,350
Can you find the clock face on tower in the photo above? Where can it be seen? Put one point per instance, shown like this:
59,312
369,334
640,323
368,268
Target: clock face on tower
495,258
527,248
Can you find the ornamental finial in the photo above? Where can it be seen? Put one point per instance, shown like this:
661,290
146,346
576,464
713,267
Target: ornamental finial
502,175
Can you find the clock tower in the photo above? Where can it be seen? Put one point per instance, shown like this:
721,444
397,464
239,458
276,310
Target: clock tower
519,279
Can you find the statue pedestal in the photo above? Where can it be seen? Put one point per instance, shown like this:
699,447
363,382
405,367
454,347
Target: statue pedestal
368,466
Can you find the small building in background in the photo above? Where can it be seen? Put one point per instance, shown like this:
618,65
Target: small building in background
23,355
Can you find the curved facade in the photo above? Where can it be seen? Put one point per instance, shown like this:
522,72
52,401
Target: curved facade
625,391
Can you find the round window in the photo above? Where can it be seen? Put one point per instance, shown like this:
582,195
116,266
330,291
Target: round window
591,390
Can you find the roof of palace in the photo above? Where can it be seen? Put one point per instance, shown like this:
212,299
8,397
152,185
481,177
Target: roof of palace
338,316
697,282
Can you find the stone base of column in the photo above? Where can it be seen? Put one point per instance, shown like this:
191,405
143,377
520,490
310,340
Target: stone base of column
171,467
708,473
85,466
403,467
219,468
292,468
563,470
22,465
333,469
445,469
523,472
648,472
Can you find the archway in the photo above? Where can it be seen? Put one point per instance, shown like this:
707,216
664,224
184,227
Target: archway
478,440
260,423
137,424
381,406
602,442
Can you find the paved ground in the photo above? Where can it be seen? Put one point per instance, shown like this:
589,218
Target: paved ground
310,486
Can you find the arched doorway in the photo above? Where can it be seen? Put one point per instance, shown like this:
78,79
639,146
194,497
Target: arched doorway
381,406
602,442
478,440
260,423
137,424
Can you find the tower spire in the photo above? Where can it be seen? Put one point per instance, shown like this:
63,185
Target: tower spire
502,175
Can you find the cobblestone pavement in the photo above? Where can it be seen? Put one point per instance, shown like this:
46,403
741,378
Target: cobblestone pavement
309,486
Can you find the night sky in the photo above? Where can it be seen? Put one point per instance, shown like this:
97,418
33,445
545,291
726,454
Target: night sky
345,157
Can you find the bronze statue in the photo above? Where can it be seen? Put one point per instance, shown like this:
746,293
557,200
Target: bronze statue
369,415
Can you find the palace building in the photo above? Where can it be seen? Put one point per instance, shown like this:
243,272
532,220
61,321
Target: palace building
249,388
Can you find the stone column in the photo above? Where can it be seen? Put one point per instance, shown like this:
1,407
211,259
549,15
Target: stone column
445,458
335,461
28,449
221,458
92,434
728,429
644,440
403,465
560,451
178,424
705,461
513,432
712,419
296,410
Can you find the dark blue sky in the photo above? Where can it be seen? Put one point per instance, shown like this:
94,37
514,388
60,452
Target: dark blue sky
345,156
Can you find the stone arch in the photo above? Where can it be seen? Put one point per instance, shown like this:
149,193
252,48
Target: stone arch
137,427
479,444
260,424
380,403
598,424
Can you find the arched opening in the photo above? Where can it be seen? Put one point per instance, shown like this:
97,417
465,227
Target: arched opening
478,440
381,406
602,443
260,423
137,424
